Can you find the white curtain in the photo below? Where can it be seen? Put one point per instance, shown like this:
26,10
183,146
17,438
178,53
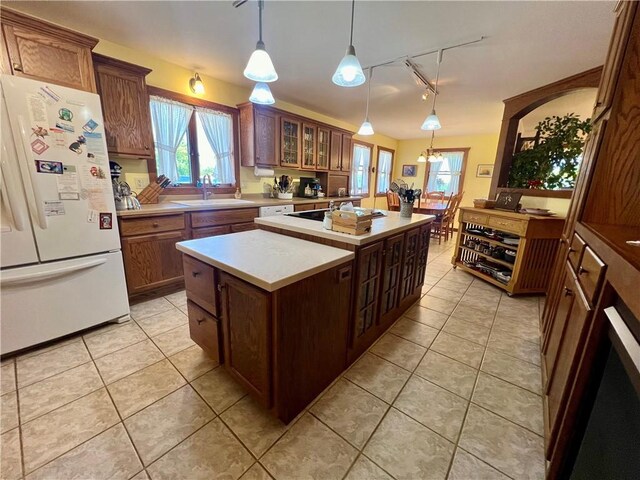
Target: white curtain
384,171
169,120
218,128
360,170
445,175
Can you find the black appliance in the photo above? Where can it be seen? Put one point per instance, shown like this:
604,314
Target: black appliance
314,185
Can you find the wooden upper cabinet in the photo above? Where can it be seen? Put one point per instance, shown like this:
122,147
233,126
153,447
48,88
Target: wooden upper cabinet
290,142
335,155
621,32
46,52
125,106
259,131
347,147
324,143
309,146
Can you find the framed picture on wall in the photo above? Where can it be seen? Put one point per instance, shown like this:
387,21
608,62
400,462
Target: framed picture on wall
485,170
409,170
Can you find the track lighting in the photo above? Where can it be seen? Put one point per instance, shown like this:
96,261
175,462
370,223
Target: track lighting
260,67
349,72
366,128
262,95
432,122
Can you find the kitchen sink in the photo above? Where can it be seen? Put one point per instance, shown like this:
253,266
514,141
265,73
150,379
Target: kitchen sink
213,202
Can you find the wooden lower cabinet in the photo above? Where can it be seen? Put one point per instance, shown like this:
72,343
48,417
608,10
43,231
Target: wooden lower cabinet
391,276
152,261
565,340
210,231
409,269
246,314
204,329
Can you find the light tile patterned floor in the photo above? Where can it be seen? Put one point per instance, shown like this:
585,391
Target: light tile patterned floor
452,390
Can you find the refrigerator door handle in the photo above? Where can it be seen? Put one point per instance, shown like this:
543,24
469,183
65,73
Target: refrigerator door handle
31,181
14,210
10,278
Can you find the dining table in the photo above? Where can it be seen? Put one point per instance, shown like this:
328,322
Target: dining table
431,207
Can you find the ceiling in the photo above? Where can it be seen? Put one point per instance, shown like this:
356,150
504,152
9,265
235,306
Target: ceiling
529,44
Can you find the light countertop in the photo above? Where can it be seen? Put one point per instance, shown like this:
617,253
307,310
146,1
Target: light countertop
381,227
265,259
256,200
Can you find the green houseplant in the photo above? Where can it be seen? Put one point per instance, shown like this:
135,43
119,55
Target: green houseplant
553,163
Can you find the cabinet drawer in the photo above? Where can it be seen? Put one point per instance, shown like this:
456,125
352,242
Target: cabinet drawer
243,227
141,225
590,273
508,225
204,330
320,206
223,217
211,231
575,251
478,218
199,281
303,207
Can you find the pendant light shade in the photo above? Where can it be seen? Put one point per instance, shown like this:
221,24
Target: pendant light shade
432,122
366,128
260,67
422,158
261,94
432,158
349,72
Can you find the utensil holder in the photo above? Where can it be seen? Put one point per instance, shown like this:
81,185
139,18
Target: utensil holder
285,196
406,209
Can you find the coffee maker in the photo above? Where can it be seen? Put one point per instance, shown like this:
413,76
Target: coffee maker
309,187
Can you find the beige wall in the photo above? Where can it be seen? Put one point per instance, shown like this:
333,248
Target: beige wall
176,78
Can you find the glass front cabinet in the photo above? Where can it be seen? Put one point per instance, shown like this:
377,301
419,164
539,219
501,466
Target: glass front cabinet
290,144
309,141
322,160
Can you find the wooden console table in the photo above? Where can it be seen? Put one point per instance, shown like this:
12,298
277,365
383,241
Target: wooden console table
538,239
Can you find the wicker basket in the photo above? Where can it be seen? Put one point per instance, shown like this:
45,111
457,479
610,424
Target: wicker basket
484,203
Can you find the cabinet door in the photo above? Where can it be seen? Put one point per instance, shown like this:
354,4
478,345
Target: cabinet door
324,143
125,105
210,231
266,133
152,261
335,154
409,262
561,353
345,162
423,253
309,146
246,322
391,275
290,143
48,58
369,270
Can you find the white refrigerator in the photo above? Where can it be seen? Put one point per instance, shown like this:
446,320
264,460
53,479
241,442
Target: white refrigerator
61,265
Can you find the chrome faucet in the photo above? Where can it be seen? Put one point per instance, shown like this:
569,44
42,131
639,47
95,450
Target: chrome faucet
206,178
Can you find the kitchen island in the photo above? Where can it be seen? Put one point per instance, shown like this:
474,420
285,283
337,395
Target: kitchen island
287,315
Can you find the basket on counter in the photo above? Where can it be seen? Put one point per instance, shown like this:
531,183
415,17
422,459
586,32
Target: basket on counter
354,223
484,203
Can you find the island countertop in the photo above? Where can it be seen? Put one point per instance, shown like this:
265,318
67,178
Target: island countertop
265,259
381,227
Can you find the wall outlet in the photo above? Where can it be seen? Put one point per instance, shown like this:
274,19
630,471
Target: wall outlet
137,181
140,183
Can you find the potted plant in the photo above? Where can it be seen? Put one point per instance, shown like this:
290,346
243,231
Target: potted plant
553,163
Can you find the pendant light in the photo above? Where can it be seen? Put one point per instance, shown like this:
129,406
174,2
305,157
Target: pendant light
430,155
262,95
366,128
432,122
349,72
259,67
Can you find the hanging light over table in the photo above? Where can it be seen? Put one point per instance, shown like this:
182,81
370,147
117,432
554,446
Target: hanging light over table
430,155
349,72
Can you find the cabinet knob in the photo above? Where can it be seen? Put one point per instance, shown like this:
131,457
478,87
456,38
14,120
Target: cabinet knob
199,320
220,287
195,274
17,67
155,224
582,270
146,147
567,292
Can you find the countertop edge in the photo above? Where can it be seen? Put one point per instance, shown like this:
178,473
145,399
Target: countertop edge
357,240
270,287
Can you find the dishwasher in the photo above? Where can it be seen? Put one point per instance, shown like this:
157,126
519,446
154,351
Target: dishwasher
275,210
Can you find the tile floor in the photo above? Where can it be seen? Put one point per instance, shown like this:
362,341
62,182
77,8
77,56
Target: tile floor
451,391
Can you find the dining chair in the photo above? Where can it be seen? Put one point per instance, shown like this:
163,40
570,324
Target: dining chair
454,211
393,202
440,226
435,195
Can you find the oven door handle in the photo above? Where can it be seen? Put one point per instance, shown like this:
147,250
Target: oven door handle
625,337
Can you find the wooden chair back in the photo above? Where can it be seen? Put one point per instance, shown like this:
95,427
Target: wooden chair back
435,195
393,202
